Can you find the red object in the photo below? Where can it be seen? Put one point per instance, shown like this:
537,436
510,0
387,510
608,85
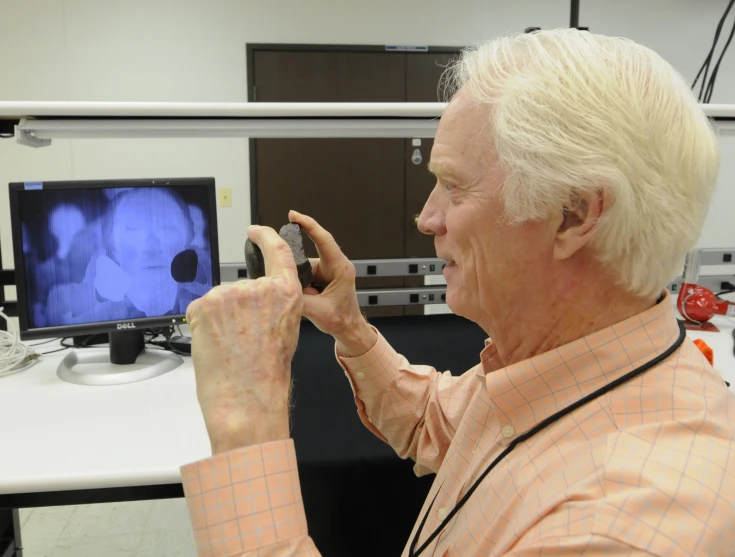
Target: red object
706,350
706,327
699,304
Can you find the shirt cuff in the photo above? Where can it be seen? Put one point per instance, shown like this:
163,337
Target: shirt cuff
374,372
245,499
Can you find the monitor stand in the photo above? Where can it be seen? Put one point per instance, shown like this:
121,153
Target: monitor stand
126,361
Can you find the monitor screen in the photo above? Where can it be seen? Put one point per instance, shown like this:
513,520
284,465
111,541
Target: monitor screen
112,253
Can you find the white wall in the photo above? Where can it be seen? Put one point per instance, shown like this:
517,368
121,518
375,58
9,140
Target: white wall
194,50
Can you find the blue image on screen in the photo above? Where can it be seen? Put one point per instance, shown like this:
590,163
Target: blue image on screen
114,254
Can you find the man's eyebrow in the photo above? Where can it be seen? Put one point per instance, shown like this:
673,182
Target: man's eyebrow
438,168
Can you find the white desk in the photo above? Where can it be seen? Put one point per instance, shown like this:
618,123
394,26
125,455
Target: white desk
71,437
57,436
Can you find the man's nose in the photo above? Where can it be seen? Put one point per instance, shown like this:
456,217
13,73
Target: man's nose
152,241
431,219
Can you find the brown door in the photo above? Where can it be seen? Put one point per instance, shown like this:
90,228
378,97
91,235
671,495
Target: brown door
332,76
364,191
353,187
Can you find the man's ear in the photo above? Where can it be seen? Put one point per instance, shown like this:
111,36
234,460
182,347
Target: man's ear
577,222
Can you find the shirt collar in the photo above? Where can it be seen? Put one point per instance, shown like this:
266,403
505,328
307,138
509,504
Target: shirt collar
528,392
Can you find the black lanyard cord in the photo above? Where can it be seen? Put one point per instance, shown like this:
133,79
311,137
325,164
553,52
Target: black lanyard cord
413,552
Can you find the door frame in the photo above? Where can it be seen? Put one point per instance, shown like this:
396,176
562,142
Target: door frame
252,48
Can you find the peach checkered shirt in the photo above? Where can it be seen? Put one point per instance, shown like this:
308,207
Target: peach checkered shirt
647,469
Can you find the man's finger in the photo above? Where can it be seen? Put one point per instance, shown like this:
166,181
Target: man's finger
328,249
314,262
191,309
320,273
277,254
313,306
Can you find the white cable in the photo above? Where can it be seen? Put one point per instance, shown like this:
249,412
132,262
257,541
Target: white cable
15,355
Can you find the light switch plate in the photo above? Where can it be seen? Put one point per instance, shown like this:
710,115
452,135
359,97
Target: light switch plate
225,197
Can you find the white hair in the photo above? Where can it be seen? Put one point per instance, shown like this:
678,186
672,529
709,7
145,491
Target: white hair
571,111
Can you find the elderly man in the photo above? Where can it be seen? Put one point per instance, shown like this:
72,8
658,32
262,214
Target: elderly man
574,171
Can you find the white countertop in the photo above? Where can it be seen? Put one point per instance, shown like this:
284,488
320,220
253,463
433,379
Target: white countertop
59,436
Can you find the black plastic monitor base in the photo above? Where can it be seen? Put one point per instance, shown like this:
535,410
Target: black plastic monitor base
90,340
126,346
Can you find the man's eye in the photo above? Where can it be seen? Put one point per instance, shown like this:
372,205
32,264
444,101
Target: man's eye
447,186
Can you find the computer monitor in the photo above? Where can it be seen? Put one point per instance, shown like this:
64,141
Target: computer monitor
112,256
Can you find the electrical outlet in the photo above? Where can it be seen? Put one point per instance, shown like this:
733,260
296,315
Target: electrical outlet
225,197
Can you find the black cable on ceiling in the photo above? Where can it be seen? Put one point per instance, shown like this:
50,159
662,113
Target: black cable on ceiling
706,64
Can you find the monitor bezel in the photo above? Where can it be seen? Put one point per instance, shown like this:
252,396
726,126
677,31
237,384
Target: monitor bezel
139,324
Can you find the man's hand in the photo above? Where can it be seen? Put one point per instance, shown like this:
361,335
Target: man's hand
244,336
336,310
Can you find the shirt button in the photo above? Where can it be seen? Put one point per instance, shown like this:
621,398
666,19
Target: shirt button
508,431
443,513
360,375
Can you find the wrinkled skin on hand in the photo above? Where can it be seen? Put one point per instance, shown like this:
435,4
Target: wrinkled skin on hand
244,336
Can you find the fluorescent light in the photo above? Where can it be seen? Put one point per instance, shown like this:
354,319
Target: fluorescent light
42,109
40,122
15,110
37,133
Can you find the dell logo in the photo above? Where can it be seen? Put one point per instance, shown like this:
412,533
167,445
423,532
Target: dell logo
125,326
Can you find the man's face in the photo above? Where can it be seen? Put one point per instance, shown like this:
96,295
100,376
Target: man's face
149,230
65,222
490,263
